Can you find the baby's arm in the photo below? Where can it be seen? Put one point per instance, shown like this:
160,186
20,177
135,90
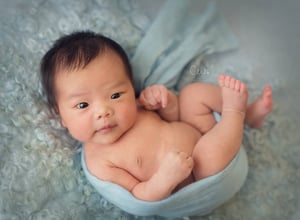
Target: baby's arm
176,167
152,190
173,170
159,98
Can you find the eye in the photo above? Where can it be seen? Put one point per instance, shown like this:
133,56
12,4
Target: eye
116,95
82,105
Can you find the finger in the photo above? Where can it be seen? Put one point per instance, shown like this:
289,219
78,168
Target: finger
160,95
147,97
154,100
163,96
156,96
142,98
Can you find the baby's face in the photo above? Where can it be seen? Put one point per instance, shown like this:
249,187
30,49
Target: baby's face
97,103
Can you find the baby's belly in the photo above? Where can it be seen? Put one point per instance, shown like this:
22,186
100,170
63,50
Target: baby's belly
176,135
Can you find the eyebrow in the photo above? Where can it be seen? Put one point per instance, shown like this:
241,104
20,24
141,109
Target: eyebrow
76,95
112,86
117,84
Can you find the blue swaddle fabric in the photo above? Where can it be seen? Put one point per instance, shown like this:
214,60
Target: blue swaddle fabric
176,37
198,198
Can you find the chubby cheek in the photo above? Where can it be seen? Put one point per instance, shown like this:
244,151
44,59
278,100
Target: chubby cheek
79,133
79,130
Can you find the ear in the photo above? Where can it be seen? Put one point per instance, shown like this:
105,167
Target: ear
56,111
63,123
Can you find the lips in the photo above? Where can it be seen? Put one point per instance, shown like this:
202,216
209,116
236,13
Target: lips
105,129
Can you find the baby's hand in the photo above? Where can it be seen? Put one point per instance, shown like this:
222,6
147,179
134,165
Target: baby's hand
154,97
176,167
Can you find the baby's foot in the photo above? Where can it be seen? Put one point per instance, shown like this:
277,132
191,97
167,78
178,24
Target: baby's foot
234,94
260,108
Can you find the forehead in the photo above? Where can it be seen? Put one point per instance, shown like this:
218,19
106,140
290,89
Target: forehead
106,68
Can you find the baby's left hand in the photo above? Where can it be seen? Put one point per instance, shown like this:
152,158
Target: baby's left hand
154,97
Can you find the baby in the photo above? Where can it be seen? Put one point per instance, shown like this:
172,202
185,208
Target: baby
157,143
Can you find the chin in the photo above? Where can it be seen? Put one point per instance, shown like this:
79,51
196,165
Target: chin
106,141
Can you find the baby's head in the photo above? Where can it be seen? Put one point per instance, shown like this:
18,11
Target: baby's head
88,81
74,52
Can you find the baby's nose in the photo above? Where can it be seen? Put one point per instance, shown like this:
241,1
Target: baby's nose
104,112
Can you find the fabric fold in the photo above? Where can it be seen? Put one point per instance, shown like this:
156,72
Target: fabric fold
174,39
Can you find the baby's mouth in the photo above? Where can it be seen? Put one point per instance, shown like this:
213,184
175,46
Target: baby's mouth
105,129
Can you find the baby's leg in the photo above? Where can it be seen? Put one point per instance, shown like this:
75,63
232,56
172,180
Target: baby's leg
197,101
218,146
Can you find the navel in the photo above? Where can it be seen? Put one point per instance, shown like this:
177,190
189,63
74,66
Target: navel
139,162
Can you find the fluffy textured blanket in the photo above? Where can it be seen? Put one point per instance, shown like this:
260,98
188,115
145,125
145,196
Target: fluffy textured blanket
40,171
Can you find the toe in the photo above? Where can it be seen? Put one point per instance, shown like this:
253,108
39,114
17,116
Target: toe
232,83
227,81
243,88
221,80
237,85
267,91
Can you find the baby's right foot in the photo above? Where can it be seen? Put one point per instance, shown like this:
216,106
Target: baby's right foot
260,108
234,94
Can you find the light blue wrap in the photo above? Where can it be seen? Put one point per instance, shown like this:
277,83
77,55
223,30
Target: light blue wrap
198,198
173,40
177,36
